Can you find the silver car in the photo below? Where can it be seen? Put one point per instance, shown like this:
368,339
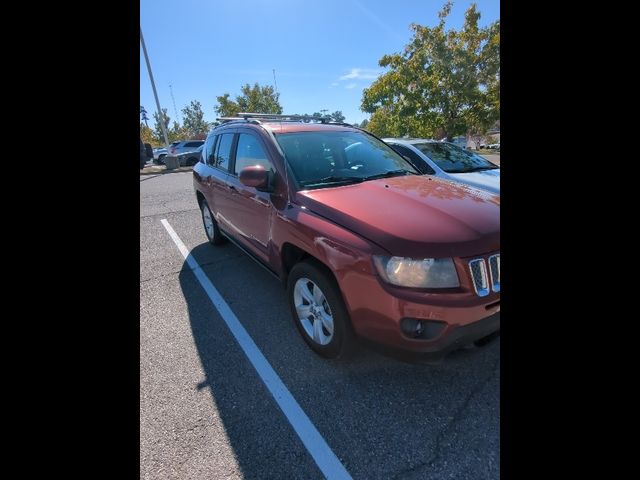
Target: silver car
448,161
177,148
189,159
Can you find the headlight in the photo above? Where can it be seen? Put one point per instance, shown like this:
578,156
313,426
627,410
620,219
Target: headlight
418,273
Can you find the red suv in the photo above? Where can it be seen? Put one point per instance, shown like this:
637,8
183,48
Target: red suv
365,245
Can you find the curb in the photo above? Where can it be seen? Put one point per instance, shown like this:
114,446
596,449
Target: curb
164,171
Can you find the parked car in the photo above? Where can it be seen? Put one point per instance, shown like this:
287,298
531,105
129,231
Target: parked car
146,153
365,245
189,159
449,162
458,141
494,146
160,153
157,153
177,148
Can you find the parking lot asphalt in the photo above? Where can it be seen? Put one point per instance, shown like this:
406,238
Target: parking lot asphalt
205,413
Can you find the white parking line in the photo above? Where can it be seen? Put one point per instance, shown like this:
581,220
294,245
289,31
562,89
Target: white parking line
315,444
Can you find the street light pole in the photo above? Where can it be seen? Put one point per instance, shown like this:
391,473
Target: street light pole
155,94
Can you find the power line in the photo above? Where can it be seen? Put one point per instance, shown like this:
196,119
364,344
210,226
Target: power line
175,110
274,80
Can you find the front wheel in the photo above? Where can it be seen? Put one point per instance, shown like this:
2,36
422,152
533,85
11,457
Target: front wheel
318,310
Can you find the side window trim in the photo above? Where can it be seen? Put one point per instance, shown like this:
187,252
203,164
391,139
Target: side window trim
232,154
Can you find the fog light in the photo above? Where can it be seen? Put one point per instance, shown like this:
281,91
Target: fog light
421,329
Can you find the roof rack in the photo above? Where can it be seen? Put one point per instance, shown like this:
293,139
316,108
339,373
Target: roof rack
256,117
275,116
282,117
236,119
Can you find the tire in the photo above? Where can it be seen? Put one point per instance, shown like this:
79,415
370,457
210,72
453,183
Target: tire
191,162
211,229
161,159
310,289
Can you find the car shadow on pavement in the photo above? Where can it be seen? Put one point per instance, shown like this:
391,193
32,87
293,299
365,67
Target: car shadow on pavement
383,418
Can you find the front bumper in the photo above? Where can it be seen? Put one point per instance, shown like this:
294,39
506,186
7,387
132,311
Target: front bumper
377,312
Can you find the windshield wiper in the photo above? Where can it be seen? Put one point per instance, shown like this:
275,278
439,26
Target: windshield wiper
479,169
332,179
390,173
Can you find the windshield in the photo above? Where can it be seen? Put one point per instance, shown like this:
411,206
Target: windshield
453,159
319,159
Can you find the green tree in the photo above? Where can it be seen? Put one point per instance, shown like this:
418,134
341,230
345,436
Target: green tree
337,116
193,121
143,115
321,113
177,132
443,79
157,126
146,135
254,99
364,123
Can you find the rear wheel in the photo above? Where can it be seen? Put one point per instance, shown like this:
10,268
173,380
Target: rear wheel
318,310
211,229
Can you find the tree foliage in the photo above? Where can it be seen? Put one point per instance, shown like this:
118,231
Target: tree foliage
443,79
337,116
147,136
254,99
193,122
143,115
157,126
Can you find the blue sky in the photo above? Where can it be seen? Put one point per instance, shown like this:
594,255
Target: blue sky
324,52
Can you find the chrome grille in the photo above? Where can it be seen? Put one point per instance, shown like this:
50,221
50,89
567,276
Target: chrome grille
494,268
479,275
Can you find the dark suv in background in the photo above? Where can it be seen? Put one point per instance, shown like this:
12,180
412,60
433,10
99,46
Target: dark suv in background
365,245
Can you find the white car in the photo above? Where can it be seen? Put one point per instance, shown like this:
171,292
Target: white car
160,153
448,161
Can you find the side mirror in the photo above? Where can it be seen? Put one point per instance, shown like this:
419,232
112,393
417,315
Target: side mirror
255,176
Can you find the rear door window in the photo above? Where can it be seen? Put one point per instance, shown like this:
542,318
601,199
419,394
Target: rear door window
223,152
209,150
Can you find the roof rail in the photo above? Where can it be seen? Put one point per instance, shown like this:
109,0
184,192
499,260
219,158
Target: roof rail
236,119
254,118
282,117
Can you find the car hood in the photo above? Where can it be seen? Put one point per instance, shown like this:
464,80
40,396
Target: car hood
414,215
485,179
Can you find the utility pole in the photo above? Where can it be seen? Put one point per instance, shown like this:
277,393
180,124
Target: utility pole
155,93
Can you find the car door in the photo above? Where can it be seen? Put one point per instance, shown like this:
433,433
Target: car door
212,174
249,215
